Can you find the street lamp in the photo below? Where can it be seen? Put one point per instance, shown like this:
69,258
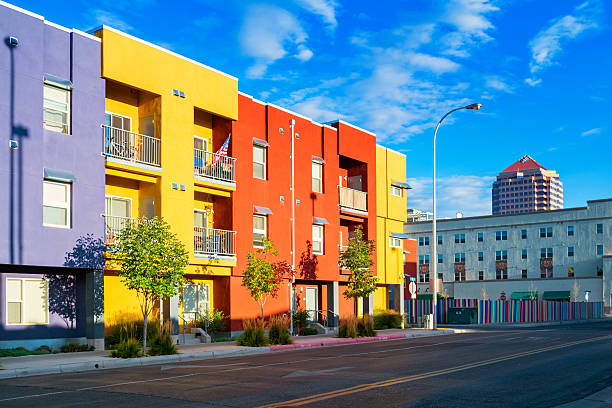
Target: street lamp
474,106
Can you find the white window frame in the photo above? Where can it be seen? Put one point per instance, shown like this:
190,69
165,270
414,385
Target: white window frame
322,229
320,178
67,125
111,196
204,142
396,191
395,242
263,231
597,246
120,116
23,302
201,211
57,204
265,159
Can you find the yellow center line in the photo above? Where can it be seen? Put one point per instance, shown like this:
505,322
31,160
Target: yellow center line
394,381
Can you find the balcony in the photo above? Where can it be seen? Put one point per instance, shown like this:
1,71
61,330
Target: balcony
113,225
211,241
132,147
214,166
353,199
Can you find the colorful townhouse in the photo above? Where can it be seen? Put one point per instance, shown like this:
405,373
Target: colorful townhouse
392,243
165,117
52,179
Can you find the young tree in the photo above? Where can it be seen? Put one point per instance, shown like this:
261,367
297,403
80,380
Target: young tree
263,276
357,258
151,262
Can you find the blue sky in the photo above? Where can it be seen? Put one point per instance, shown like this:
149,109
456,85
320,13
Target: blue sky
541,69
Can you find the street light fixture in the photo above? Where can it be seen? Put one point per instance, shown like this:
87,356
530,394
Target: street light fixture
473,106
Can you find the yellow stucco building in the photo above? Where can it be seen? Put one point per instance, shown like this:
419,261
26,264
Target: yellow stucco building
166,116
391,210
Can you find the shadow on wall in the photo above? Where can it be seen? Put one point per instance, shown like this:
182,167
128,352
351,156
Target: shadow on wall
88,253
308,263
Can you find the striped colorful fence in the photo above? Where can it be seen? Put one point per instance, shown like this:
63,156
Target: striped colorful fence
508,311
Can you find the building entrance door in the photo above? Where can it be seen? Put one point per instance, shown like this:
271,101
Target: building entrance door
311,303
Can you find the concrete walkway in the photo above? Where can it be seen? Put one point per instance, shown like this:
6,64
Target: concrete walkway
26,366
600,399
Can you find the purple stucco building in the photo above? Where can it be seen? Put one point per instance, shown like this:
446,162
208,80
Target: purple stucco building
51,183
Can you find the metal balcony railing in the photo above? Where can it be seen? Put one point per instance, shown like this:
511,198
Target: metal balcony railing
113,226
130,146
214,166
211,241
355,199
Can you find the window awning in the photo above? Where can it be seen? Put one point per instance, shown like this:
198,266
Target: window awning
321,221
399,235
59,82
318,159
524,296
58,175
262,210
260,142
401,184
556,295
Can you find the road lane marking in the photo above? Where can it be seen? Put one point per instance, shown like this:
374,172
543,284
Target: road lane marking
498,334
172,366
394,381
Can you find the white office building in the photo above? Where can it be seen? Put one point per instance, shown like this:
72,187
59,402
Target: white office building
553,254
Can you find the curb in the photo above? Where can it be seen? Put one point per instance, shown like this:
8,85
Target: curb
110,363
519,325
337,342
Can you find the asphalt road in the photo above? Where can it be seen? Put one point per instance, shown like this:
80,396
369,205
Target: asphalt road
540,367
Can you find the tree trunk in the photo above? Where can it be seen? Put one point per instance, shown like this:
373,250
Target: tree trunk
261,311
144,337
356,306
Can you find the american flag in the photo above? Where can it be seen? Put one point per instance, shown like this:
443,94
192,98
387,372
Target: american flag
222,150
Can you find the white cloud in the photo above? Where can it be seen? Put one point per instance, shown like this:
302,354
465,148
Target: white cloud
471,21
270,33
498,83
547,44
434,64
470,195
533,81
591,132
326,9
110,19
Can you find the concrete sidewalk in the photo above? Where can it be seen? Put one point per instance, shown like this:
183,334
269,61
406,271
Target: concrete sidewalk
520,325
26,366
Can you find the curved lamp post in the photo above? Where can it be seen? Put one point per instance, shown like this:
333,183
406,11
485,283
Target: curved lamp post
473,106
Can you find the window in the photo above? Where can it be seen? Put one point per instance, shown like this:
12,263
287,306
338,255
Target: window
480,237
599,228
546,232
524,273
524,254
440,258
440,240
546,253
423,259
480,257
423,241
599,250
570,271
259,162
480,275
501,255
501,235
118,207
27,301
395,242
423,277
56,108
440,275
56,204
124,123
259,230
570,230
459,238
523,234
460,275
317,177
396,191
570,251
426,240
317,239
460,257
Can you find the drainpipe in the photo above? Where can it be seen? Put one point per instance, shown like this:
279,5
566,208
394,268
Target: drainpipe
292,223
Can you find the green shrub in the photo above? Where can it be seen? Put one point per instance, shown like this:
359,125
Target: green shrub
130,327
74,348
162,344
44,348
254,334
22,351
300,320
216,320
365,327
128,348
387,319
309,332
222,339
279,330
348,327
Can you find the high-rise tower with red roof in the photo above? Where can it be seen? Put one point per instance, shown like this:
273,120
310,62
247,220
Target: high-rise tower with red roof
526,186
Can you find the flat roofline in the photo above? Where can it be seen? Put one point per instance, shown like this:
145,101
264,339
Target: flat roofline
47,22
391,150
514,215
351,125
162,49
